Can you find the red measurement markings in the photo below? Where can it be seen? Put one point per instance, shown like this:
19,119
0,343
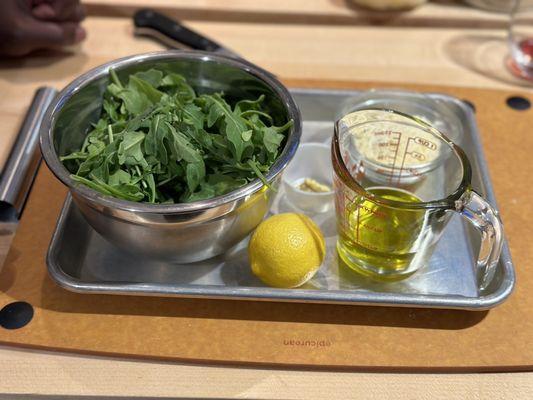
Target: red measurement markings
343,198
376,213
396,144
403,158
387,133
340,204
416,155
353,168
369,246
358,223
372,228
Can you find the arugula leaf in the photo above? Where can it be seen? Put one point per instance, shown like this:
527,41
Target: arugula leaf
247,135
140,86
129,151
206,192
154,142
234,125
182,148
119,177
109,108
77,155
122,191
152,76
157,141
195,173
178,86
247,105
139,94
134,102
150,181
193,115
271,139
225,183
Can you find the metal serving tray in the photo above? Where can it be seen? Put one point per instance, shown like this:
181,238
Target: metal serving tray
80,260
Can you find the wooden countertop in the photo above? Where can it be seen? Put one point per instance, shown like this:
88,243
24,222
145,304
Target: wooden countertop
451,13
326,41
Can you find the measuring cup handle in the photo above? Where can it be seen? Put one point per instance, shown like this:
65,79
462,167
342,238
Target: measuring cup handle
486,220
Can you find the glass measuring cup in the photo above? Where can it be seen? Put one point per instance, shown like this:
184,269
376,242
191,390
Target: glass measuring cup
520,34
396,181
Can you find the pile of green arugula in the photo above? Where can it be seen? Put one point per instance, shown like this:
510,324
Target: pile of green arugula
157,141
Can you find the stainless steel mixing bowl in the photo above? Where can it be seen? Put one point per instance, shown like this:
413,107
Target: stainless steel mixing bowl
184,232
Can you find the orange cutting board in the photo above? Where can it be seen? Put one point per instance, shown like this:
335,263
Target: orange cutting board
312,335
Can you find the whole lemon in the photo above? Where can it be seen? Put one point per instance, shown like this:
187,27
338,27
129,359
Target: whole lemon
286,250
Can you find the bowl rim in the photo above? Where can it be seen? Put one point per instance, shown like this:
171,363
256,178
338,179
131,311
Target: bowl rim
57,168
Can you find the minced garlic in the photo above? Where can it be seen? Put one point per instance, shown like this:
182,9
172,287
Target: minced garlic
310,185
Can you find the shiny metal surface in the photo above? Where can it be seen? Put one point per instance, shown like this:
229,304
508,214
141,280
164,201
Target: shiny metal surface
24,160
90,264
179,232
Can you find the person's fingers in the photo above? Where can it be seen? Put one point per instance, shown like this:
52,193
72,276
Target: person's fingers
43,11
58,10
68,10
72,33
49,34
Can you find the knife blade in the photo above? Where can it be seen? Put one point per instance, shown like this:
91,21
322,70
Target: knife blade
174,34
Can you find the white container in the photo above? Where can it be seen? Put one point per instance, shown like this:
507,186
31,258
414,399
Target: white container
312,160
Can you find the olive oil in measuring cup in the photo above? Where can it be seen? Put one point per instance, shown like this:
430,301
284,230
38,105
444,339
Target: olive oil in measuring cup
381,240
397,182
382,164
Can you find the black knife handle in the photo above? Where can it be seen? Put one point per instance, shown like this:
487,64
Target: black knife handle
151,19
